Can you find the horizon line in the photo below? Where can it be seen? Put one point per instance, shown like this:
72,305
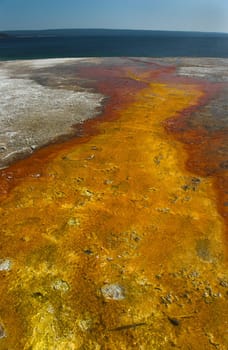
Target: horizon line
116,29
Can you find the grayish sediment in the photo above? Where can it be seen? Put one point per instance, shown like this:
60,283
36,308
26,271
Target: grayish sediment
32,115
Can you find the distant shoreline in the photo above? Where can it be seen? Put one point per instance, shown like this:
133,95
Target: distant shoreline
97,31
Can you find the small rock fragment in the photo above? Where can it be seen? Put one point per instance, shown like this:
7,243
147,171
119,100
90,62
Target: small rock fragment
113,292
224,283
73,222
87,193
90,157
85,325
174,321
167,299
194,274
2,148
108,182
163,210
2,332
196,180
5,265
157,159
88,251
60,285
38,296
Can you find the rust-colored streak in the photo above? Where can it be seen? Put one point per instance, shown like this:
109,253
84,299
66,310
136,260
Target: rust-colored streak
205,141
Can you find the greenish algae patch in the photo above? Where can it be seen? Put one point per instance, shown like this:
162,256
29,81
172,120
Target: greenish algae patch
116,245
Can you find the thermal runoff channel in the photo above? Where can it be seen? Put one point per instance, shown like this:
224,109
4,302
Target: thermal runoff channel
114,229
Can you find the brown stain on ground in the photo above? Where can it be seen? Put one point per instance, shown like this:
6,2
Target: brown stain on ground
115,207
206,145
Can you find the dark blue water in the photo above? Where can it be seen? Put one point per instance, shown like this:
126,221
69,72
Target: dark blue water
108,43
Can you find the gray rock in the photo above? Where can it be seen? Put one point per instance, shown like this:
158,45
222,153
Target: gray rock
113,292
2,332
5,265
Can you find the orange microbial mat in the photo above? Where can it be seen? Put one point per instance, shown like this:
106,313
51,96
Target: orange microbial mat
117,238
